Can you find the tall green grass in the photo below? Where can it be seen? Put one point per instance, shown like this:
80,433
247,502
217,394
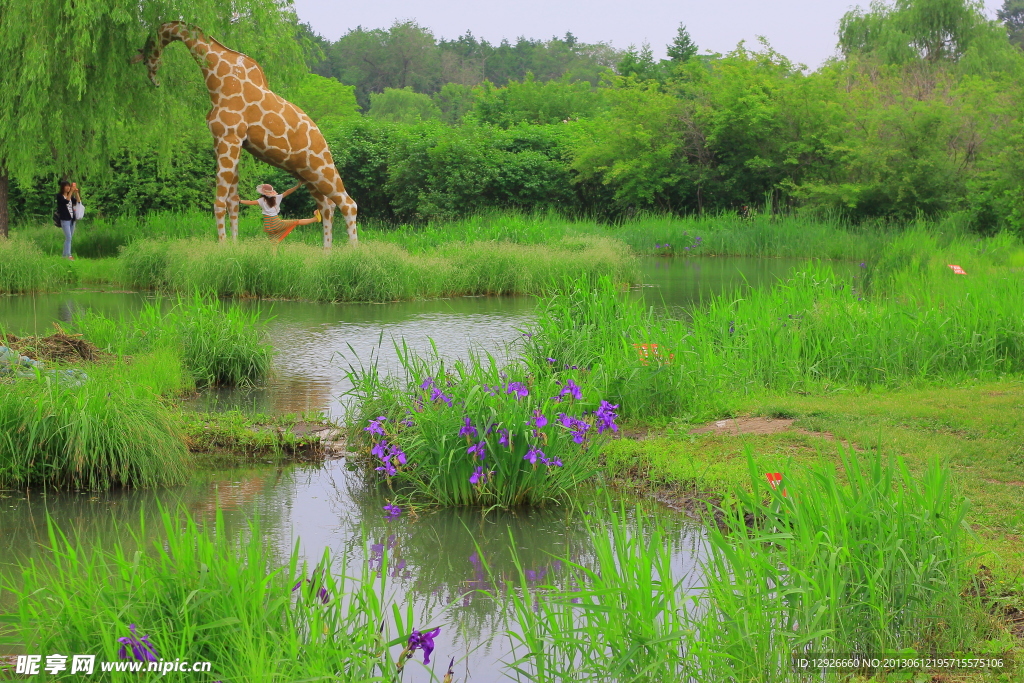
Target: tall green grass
367,272
873,565
108,431
199,596
25,268
218,343
918,322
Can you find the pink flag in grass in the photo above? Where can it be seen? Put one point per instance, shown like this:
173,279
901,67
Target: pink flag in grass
957,269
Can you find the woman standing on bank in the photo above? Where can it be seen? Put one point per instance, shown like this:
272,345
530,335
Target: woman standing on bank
67,199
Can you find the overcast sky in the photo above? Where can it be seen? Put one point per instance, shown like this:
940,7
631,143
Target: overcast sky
803,30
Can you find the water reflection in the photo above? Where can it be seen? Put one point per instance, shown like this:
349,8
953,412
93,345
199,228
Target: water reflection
450,565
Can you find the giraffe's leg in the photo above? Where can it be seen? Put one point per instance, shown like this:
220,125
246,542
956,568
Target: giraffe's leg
228,150
326,208
334,192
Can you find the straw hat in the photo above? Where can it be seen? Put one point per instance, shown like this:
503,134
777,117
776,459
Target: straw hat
266,189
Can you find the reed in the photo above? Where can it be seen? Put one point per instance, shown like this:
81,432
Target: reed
109,430
25,268
372,271
200,597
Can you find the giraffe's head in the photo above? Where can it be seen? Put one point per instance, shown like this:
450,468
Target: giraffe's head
155,44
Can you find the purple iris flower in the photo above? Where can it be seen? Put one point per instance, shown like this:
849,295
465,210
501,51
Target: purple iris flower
438,395
479,450
407,422
428,383
387,468
392,511
479,476
539,421
468,429
517,388
380,449
423,641
533,454
571,389
863,265
375,426
321,593
142,649
551,360
552,462
576,426
503,439
605,415
397,453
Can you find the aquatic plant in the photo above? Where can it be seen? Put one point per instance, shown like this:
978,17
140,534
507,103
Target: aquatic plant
201,593
477,434
918,322
219,343
107,431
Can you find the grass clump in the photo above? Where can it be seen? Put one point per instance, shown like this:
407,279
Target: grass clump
367,272
476,434
106,431
219,344
871,561
198,596
873,565
25,268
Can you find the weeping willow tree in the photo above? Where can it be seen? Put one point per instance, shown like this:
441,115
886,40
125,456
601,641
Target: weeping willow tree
69,96
910,30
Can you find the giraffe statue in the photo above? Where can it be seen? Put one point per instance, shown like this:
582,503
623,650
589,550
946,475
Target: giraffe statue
245,114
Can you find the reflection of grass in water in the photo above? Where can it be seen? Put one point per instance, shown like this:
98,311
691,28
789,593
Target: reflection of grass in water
876,564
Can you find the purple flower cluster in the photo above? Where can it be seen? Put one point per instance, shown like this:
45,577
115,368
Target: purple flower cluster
388,453
517,388
535,454
142,649
571,389
468,429
575,425
392,511
478,449
605,415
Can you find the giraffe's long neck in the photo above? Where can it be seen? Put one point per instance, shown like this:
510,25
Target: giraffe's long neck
198,44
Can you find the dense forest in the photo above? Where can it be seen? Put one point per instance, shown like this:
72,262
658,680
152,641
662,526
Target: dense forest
919,114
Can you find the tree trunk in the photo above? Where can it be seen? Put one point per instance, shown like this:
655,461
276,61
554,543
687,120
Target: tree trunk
4,213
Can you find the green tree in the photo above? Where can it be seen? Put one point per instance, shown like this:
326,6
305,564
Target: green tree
639,63
69,97
324,100
402,105
1012,14
682,47
932,30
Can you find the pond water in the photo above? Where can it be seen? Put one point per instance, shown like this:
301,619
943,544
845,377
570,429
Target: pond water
434,558
317,342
